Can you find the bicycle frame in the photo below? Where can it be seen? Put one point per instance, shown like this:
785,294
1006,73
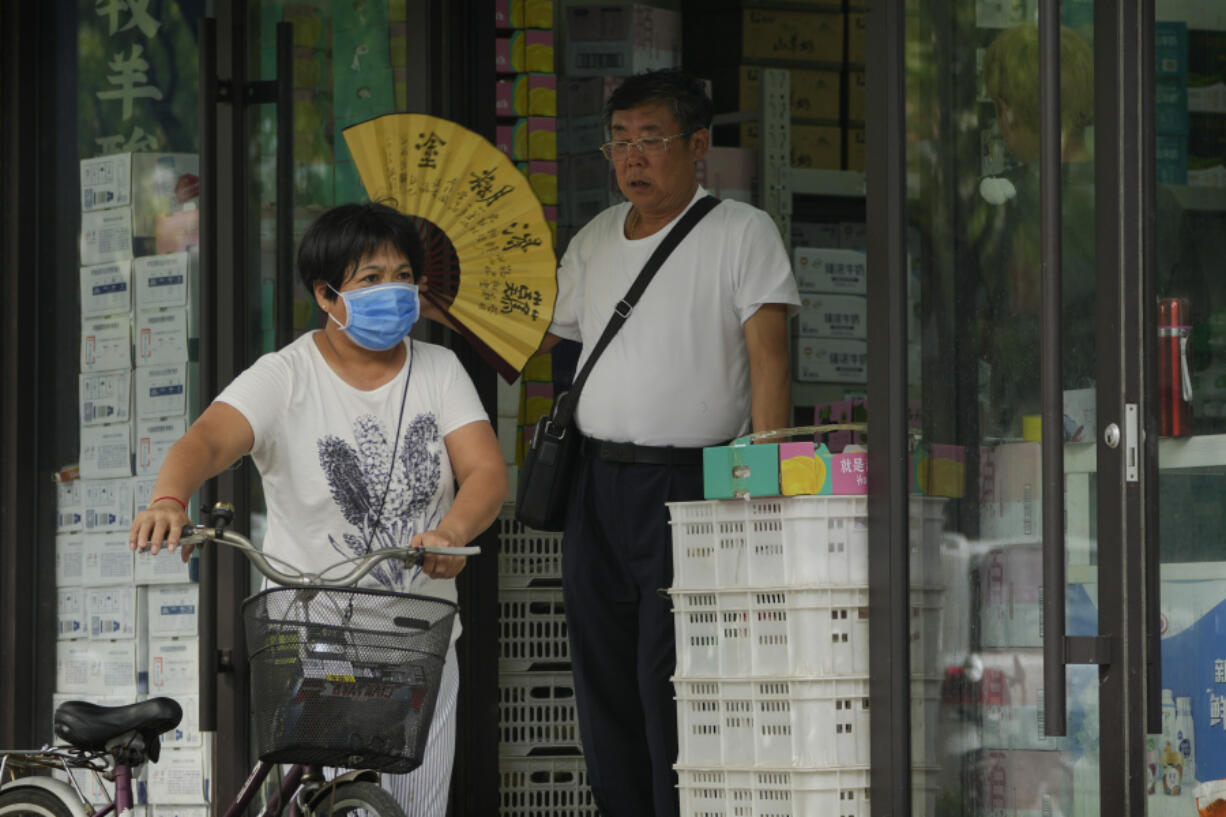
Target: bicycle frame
72,796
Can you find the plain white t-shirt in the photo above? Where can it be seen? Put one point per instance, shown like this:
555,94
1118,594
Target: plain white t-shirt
677,373
323,449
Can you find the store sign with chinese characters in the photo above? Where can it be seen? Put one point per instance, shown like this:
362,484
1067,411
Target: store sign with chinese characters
137,75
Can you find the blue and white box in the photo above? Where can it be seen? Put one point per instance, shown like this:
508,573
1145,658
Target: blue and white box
173,610
107,505
106,289
161,391
105,397
160,281
112,612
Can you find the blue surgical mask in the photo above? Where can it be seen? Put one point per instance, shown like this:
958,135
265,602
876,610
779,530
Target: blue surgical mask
379,317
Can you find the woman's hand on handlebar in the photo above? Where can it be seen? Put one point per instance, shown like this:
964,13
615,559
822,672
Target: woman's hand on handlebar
159,526
440,567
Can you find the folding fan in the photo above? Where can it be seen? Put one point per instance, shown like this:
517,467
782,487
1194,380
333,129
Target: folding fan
490,262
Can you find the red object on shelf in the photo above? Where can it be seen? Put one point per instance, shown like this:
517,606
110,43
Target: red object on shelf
1174,380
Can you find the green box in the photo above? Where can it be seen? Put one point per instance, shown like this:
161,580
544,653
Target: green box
1171,107
736,471
1170,49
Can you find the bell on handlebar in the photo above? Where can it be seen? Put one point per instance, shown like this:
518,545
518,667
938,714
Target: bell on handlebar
220,515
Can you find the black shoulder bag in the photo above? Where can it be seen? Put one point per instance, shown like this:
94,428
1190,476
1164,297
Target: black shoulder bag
546,476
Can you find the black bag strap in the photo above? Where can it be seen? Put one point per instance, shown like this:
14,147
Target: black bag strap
568,400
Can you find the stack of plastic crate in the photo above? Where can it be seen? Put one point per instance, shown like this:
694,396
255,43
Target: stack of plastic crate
541,768
771,610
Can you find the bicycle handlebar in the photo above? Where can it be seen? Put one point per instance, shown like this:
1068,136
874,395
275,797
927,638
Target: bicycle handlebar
199,534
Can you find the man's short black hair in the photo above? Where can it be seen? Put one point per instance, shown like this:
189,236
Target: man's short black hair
685,93
341,237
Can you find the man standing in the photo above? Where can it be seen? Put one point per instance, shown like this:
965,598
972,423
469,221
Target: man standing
702,359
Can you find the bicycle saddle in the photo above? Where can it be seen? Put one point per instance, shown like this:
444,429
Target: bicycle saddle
91,727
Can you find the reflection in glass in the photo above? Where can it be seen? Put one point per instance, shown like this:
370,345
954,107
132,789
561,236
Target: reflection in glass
972,159
1189,103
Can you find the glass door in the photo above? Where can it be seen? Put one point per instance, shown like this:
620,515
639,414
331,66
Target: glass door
1187,755
982,229
317,67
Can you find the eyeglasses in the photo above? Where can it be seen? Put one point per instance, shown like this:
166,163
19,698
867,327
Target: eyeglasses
650,145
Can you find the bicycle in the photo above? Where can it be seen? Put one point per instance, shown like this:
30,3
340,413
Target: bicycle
342,676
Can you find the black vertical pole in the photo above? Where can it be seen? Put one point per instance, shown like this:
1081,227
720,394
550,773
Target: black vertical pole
888,503
207,366
284,319
1051,376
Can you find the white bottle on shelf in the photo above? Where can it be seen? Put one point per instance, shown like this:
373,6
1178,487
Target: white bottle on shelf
1185,741
1170,760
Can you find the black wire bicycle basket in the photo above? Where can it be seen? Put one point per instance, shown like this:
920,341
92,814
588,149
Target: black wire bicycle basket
345,677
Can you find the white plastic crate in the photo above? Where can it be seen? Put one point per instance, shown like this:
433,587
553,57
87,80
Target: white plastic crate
532,630
697,633
792,631
781,631
815,722
537,714
770,542
527,557
732,792
544,787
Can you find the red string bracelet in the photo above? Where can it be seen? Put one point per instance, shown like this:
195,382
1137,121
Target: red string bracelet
182,504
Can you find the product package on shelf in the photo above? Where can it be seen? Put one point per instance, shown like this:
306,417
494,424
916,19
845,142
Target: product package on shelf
151,184
69,559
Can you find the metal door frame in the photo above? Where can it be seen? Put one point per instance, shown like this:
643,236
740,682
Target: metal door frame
1125,219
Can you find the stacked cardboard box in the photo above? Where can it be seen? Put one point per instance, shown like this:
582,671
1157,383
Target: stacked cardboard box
526,97
1206,103
811,43
832,324
604,44
127,623
1171,102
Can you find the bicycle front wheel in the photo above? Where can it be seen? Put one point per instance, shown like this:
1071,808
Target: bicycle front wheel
32,802
356,799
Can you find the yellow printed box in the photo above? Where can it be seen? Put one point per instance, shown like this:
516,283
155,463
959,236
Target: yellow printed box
939,470
526,95
538,51
804,469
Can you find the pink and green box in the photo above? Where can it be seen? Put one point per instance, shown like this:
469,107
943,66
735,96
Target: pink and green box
809,469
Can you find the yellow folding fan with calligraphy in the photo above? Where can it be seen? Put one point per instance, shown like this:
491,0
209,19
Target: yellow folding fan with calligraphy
490,261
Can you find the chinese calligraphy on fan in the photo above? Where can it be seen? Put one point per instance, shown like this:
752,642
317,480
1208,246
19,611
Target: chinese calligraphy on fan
521,298
482,185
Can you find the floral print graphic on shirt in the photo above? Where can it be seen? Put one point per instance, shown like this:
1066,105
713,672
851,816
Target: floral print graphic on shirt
391,516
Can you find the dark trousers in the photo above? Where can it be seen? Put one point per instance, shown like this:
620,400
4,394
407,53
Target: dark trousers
616,559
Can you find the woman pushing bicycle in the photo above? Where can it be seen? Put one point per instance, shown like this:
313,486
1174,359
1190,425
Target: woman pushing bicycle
364,439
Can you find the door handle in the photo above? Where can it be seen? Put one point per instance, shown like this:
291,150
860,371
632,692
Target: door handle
1051,375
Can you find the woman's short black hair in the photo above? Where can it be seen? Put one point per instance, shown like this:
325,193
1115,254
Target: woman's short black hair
685,93
341,237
